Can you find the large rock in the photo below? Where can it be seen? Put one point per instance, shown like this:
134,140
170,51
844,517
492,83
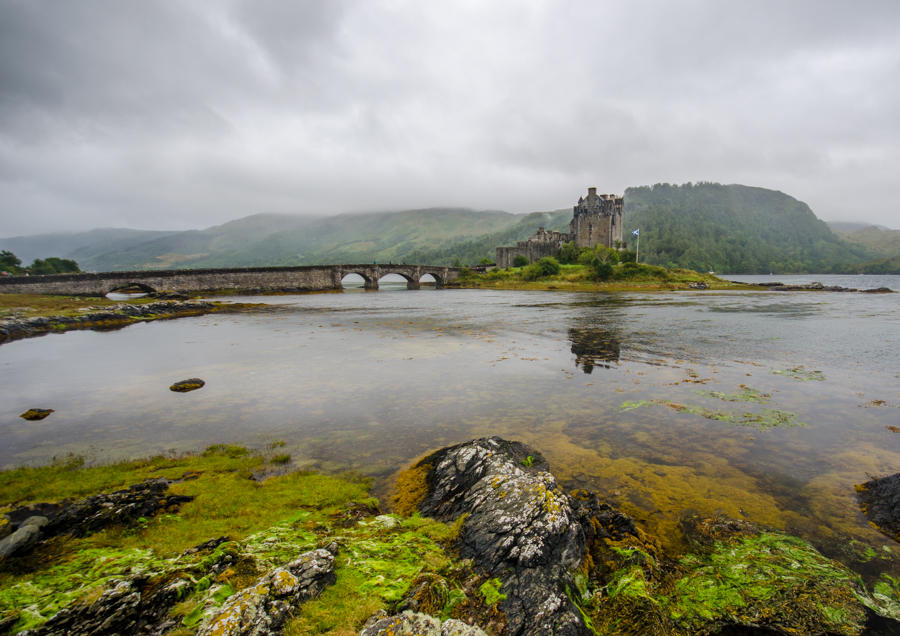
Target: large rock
520,528
24,538
263,607
880,501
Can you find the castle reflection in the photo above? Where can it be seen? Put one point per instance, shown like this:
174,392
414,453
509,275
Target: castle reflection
595,346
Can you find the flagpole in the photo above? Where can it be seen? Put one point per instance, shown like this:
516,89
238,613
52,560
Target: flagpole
637,251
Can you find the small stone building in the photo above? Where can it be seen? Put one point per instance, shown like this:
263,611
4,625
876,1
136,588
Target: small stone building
596,220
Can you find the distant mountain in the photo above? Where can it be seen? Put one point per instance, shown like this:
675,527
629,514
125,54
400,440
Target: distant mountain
272,239
85,244
733,229
881,241
705,226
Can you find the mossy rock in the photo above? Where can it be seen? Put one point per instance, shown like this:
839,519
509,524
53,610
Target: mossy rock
184,386
36,414
879,500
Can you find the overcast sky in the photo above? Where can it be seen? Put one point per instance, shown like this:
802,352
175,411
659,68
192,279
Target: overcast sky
181,114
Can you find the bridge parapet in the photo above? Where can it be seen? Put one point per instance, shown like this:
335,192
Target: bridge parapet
247,279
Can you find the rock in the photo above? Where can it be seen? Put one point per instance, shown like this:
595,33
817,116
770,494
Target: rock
520,528
880,501
416,624
91,514
127,607
28,534
263,607
698,285
116,611
36,414
878,290
184,386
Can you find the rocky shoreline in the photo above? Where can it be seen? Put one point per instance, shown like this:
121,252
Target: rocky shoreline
102,318
815,286
522,557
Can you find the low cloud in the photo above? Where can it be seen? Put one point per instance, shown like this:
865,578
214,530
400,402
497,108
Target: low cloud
173,114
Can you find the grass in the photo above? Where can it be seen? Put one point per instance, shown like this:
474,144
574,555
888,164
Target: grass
625,277
266,523
35,305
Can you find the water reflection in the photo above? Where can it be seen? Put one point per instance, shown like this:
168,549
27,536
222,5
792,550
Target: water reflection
595,346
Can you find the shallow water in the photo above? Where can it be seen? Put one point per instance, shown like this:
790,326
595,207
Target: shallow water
371,381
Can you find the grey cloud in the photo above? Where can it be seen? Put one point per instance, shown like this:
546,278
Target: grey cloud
174,114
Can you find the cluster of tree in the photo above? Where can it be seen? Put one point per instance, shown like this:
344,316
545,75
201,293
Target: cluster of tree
11,264
734,229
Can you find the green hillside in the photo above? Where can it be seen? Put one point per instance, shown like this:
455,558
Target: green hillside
706,226
733,229
884,243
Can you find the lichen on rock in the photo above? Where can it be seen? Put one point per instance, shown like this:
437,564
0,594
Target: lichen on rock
263,607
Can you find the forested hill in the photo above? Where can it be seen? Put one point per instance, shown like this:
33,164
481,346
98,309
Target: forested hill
706,226
733,229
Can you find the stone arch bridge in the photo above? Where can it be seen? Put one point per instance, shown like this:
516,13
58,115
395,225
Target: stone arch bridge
245,279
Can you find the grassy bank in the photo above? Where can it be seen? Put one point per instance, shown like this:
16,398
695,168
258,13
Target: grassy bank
620,277
266,523
45,306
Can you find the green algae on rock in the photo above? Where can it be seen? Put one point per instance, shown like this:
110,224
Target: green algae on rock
36,414
191,384
766,419
802,374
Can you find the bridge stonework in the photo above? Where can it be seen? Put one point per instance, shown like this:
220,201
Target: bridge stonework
245,279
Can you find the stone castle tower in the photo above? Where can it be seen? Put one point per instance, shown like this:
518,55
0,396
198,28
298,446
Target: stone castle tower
597,220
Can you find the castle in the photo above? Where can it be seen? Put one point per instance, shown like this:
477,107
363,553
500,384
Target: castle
597,220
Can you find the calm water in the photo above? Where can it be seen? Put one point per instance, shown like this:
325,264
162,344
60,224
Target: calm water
371,381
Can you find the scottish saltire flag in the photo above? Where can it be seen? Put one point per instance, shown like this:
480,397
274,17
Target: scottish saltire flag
637,232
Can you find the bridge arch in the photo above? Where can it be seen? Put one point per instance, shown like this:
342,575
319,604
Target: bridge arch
368,281
438,279
127,288
411,281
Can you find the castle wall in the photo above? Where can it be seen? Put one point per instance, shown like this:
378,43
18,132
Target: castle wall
596,220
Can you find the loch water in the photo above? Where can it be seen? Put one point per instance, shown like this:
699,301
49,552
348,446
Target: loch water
766,406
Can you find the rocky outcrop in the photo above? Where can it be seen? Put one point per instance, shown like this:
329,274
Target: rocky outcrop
880,501
112,317
86,516
520,528
263,607
121,609
416,624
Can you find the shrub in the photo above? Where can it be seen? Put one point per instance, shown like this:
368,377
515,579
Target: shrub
569,253
602,269
520,261
547,266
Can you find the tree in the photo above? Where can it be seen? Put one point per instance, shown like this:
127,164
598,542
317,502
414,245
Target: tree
520,261
53,265
9,262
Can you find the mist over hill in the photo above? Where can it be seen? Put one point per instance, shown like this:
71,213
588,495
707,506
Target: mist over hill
704,226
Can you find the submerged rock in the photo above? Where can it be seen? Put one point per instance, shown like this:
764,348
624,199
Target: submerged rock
36,414
880,501
184,386
264,607
416,624
520,528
